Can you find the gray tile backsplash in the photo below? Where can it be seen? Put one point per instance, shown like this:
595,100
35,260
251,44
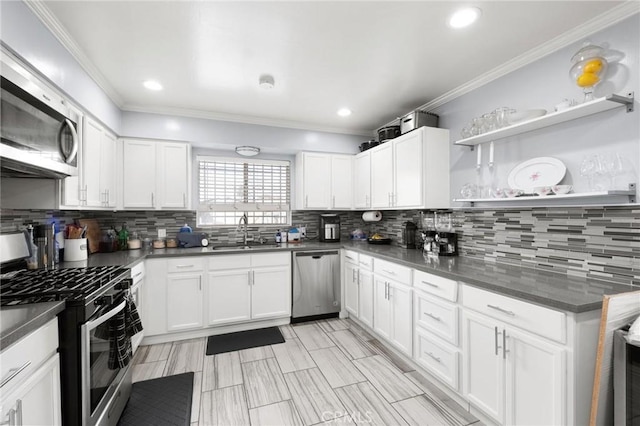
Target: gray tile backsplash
594,242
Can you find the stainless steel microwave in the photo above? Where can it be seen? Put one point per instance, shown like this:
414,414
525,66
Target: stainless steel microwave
38,129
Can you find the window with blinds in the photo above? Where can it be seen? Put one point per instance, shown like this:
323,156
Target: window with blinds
229,188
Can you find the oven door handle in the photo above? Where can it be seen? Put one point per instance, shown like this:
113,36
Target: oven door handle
90,325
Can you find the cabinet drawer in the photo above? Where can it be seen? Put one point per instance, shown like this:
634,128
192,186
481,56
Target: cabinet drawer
183,264
391,270
437,357
27,354
433,284
365,262
137,272
271,259
350,256
230,261
437,316
546,322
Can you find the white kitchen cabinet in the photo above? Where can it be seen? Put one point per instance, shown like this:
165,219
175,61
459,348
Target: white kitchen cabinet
324,181
32,395
365,297
411,171
362,180
351,292
392,315
510,374
248,287
184,296
156,174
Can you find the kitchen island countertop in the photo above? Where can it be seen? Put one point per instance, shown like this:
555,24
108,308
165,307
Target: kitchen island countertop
553,290
20,320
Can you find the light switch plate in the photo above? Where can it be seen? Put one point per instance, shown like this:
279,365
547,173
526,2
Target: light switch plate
162,233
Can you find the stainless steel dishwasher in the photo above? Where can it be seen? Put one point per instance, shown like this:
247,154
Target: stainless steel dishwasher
316,285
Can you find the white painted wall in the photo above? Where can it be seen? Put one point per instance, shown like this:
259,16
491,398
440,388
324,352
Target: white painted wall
543,85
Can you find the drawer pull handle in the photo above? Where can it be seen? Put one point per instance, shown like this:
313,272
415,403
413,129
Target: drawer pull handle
12,418
388,271
429,314
15,372
349,257
184,266
504,311
437,359
137,275
430,284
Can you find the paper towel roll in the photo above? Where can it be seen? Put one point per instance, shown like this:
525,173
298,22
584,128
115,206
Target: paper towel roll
374,216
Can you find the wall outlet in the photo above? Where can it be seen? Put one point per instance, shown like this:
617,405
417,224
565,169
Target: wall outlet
162,233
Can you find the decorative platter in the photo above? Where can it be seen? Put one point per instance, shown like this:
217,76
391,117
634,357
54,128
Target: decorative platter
541,171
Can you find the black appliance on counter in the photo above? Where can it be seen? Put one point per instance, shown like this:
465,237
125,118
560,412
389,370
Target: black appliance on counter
94,392
408,240
329,228
447,243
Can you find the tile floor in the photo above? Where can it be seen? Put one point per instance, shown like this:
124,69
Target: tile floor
326,372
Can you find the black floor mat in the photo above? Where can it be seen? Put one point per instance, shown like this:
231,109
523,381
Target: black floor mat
165,401
243,340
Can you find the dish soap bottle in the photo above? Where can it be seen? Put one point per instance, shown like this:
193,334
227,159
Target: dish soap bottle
186,228
278,237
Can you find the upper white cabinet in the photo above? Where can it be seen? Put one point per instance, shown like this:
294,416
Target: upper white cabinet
362,180
95,185
324,181
411,171
156,174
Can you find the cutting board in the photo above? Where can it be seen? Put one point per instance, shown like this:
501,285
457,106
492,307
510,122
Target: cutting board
93,233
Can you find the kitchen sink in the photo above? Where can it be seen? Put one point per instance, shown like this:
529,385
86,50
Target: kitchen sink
247,246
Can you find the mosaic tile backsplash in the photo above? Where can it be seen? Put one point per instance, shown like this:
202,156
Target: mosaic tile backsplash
593,242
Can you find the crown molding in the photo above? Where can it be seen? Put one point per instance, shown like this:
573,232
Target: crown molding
244,119
606,19
48,19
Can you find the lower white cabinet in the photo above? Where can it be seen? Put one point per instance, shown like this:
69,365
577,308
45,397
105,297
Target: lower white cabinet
32,395
392,312
184,296
229,296
365,297
351,287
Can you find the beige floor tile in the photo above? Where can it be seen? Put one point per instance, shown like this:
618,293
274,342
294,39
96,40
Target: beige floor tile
359,331
387,379
224,407
197,394
264,382
312,336
186,355
379,347
254,354
228,370
313,397
421,411
209,373
365,405
352,347
292,356
152,353
278,414
333,324
149,370
336,368
287,332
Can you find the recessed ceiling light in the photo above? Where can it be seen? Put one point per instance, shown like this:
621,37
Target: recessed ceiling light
464,17
266,81
152,85
344,112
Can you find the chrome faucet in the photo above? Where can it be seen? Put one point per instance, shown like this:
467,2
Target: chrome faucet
245,232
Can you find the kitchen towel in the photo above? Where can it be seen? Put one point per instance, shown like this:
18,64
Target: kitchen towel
118,332
373,216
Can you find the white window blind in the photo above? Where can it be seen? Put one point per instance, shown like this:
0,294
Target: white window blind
229,188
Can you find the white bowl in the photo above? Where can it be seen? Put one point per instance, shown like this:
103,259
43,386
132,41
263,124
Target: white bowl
562,189
511,192
542,190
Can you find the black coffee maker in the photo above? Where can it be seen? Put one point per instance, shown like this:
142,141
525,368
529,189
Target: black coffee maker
447,243
408,240
329,228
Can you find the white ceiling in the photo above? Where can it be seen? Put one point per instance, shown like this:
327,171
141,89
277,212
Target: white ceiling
381,59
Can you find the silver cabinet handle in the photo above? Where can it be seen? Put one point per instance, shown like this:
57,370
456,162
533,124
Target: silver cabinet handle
495,335
153,202
389,199
19,412
388,272
14,372
253,277
249,277
504,344
137,275
430,284
429,314
306,201
184,266
353,275
349,257
108,197
184,200
12,418
504,311
333,202
437,359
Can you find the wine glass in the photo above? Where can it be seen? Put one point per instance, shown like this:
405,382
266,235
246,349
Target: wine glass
614,167
587,169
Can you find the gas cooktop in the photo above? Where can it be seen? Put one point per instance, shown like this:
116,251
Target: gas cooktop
40,285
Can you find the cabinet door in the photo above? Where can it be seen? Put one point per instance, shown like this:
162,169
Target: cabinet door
37,401
173,175
316,179
483,374
362,180
535,376
108,170
365,297
91,163
382,175
381,308
341,181
154,297
350,280
139,174
271,292
401,301
229,296
409,182
184,301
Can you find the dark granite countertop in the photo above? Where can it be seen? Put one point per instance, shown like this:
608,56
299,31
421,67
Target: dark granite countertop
573,294
18,321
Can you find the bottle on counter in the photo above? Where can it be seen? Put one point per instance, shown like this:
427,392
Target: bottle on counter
278,237
186,228
123,237
32,262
